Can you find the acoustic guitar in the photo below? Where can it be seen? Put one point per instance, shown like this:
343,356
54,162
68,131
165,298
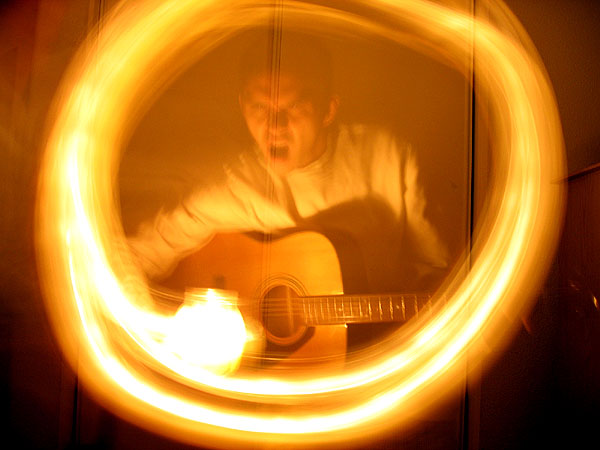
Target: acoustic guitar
292,286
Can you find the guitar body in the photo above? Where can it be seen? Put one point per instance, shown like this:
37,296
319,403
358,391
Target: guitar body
269,275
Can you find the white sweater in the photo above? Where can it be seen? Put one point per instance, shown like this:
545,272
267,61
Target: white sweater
365,185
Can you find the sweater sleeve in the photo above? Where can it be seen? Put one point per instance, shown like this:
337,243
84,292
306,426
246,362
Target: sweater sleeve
395,178
240,203
160,243
430,251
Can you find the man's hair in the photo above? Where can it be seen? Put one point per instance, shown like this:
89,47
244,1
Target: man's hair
301,55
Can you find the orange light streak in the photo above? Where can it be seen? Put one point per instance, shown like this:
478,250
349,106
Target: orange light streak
100,304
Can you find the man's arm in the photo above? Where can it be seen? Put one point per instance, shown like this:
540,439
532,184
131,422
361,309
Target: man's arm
240,203
397,178
430,252
159,244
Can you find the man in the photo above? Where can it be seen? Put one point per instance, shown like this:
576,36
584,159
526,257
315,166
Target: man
354,183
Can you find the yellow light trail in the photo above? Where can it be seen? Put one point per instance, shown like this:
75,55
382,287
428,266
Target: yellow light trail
131,355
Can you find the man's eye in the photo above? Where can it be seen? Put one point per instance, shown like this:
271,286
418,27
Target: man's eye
299,106
259,107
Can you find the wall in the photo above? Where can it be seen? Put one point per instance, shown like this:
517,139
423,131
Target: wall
37,38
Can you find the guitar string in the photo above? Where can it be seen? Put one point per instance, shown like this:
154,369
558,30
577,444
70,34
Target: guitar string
385,310
274,58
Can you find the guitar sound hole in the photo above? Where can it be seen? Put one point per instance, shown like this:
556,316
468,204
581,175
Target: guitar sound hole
281,315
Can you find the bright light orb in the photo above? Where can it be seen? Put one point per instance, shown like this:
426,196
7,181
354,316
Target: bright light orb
208,331
100,305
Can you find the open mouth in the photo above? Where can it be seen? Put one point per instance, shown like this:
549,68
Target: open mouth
279,152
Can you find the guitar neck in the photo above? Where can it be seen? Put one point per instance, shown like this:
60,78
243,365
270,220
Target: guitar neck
343,309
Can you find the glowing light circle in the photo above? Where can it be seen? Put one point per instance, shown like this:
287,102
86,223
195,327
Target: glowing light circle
98,301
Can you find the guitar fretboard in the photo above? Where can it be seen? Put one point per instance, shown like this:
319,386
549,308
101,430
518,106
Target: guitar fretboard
342,309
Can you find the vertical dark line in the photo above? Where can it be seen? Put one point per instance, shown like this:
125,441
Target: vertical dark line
275,55
465,421
473,142
466,407
97,8
74,438
274,60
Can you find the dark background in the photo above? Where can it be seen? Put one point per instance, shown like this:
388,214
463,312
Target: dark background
543,389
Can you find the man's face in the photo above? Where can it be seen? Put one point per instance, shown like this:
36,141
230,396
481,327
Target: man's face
288,127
